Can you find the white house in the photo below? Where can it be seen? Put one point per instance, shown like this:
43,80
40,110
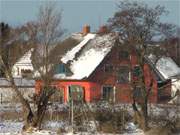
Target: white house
23,66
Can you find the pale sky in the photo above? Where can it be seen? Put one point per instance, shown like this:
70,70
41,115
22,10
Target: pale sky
76,13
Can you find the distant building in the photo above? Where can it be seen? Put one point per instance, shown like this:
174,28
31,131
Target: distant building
23,67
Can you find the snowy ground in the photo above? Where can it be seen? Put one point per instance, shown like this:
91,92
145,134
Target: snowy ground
13,127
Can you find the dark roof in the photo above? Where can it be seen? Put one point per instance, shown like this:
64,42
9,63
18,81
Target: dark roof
20,82
59,50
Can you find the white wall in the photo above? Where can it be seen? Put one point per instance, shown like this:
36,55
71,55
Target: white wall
8,95
175,86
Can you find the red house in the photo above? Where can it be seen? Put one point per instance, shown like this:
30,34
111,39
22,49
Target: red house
101,68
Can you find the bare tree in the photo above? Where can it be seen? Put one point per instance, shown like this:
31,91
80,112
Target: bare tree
8,36
43,34
138,26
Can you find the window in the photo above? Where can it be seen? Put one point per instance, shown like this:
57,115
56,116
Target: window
137,92
108,68
76,93
107,92
26,72
123,74
123,55
60,68
136,71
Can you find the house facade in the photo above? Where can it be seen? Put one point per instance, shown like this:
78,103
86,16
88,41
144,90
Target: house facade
118,71
102,69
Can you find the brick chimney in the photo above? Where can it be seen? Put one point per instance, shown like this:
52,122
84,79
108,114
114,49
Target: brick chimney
86,30
103,29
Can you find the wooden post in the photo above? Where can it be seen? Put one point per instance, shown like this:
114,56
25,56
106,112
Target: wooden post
72,113
123,116
114,94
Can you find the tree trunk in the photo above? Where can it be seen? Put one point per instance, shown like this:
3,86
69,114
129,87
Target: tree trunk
42,102
141,120
141,116
36,121
144,117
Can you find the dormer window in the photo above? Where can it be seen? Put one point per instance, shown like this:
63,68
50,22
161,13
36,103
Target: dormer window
60,69
123,55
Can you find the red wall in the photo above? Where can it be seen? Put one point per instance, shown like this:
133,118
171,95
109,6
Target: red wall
92,90
123,91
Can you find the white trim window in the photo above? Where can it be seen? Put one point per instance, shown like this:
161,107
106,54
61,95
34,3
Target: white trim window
107,93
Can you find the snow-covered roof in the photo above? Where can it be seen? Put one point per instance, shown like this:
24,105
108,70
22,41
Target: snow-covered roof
20,82
93,50
23,63
25,59
71,54
166,66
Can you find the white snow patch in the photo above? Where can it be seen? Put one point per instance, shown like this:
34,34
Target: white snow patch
166,66
175,86
61,75
77,36
71,54
86,64
92,57
169,70
10,126
133,129
42,132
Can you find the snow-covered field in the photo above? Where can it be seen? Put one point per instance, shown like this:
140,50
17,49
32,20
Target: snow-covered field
13,127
